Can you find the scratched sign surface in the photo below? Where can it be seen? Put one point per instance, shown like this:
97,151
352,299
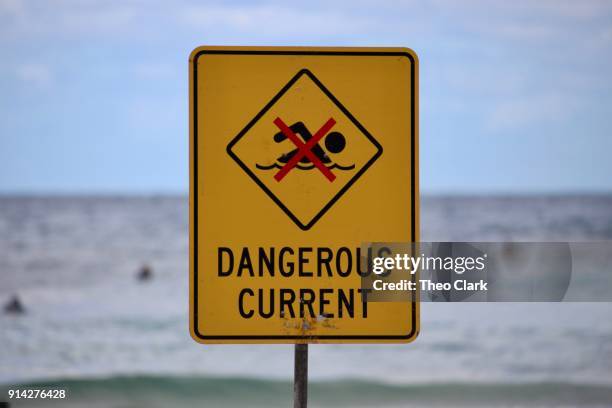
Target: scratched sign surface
299,156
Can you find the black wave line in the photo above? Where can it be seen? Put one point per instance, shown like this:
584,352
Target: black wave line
301,167
271,166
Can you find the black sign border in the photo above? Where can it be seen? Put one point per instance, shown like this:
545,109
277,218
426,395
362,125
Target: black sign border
414,332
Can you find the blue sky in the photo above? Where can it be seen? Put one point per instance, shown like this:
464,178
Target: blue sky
515,96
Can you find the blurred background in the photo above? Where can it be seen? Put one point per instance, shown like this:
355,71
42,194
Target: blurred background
516,109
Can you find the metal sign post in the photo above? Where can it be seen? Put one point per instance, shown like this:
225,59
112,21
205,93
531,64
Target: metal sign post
300,376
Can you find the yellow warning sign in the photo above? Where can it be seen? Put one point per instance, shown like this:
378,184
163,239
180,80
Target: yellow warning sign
299,157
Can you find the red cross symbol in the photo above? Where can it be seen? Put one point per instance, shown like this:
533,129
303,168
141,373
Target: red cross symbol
304,149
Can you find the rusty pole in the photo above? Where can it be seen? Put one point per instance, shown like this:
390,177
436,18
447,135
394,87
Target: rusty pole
300,376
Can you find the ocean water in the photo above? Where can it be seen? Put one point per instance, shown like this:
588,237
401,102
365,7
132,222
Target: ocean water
111,341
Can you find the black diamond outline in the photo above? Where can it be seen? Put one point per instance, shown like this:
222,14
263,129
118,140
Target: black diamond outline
284,89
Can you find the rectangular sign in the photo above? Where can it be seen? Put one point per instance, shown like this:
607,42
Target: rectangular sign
299,156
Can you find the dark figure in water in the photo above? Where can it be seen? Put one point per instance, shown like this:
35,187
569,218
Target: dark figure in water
145,273
334,142
14,306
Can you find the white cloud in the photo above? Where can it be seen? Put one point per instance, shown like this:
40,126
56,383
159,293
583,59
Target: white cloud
11,8
34,73
153,70
276,21
23,19
97,17
532,109
153,120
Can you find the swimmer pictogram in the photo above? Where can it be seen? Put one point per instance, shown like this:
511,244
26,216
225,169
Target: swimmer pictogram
308,153
304,149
